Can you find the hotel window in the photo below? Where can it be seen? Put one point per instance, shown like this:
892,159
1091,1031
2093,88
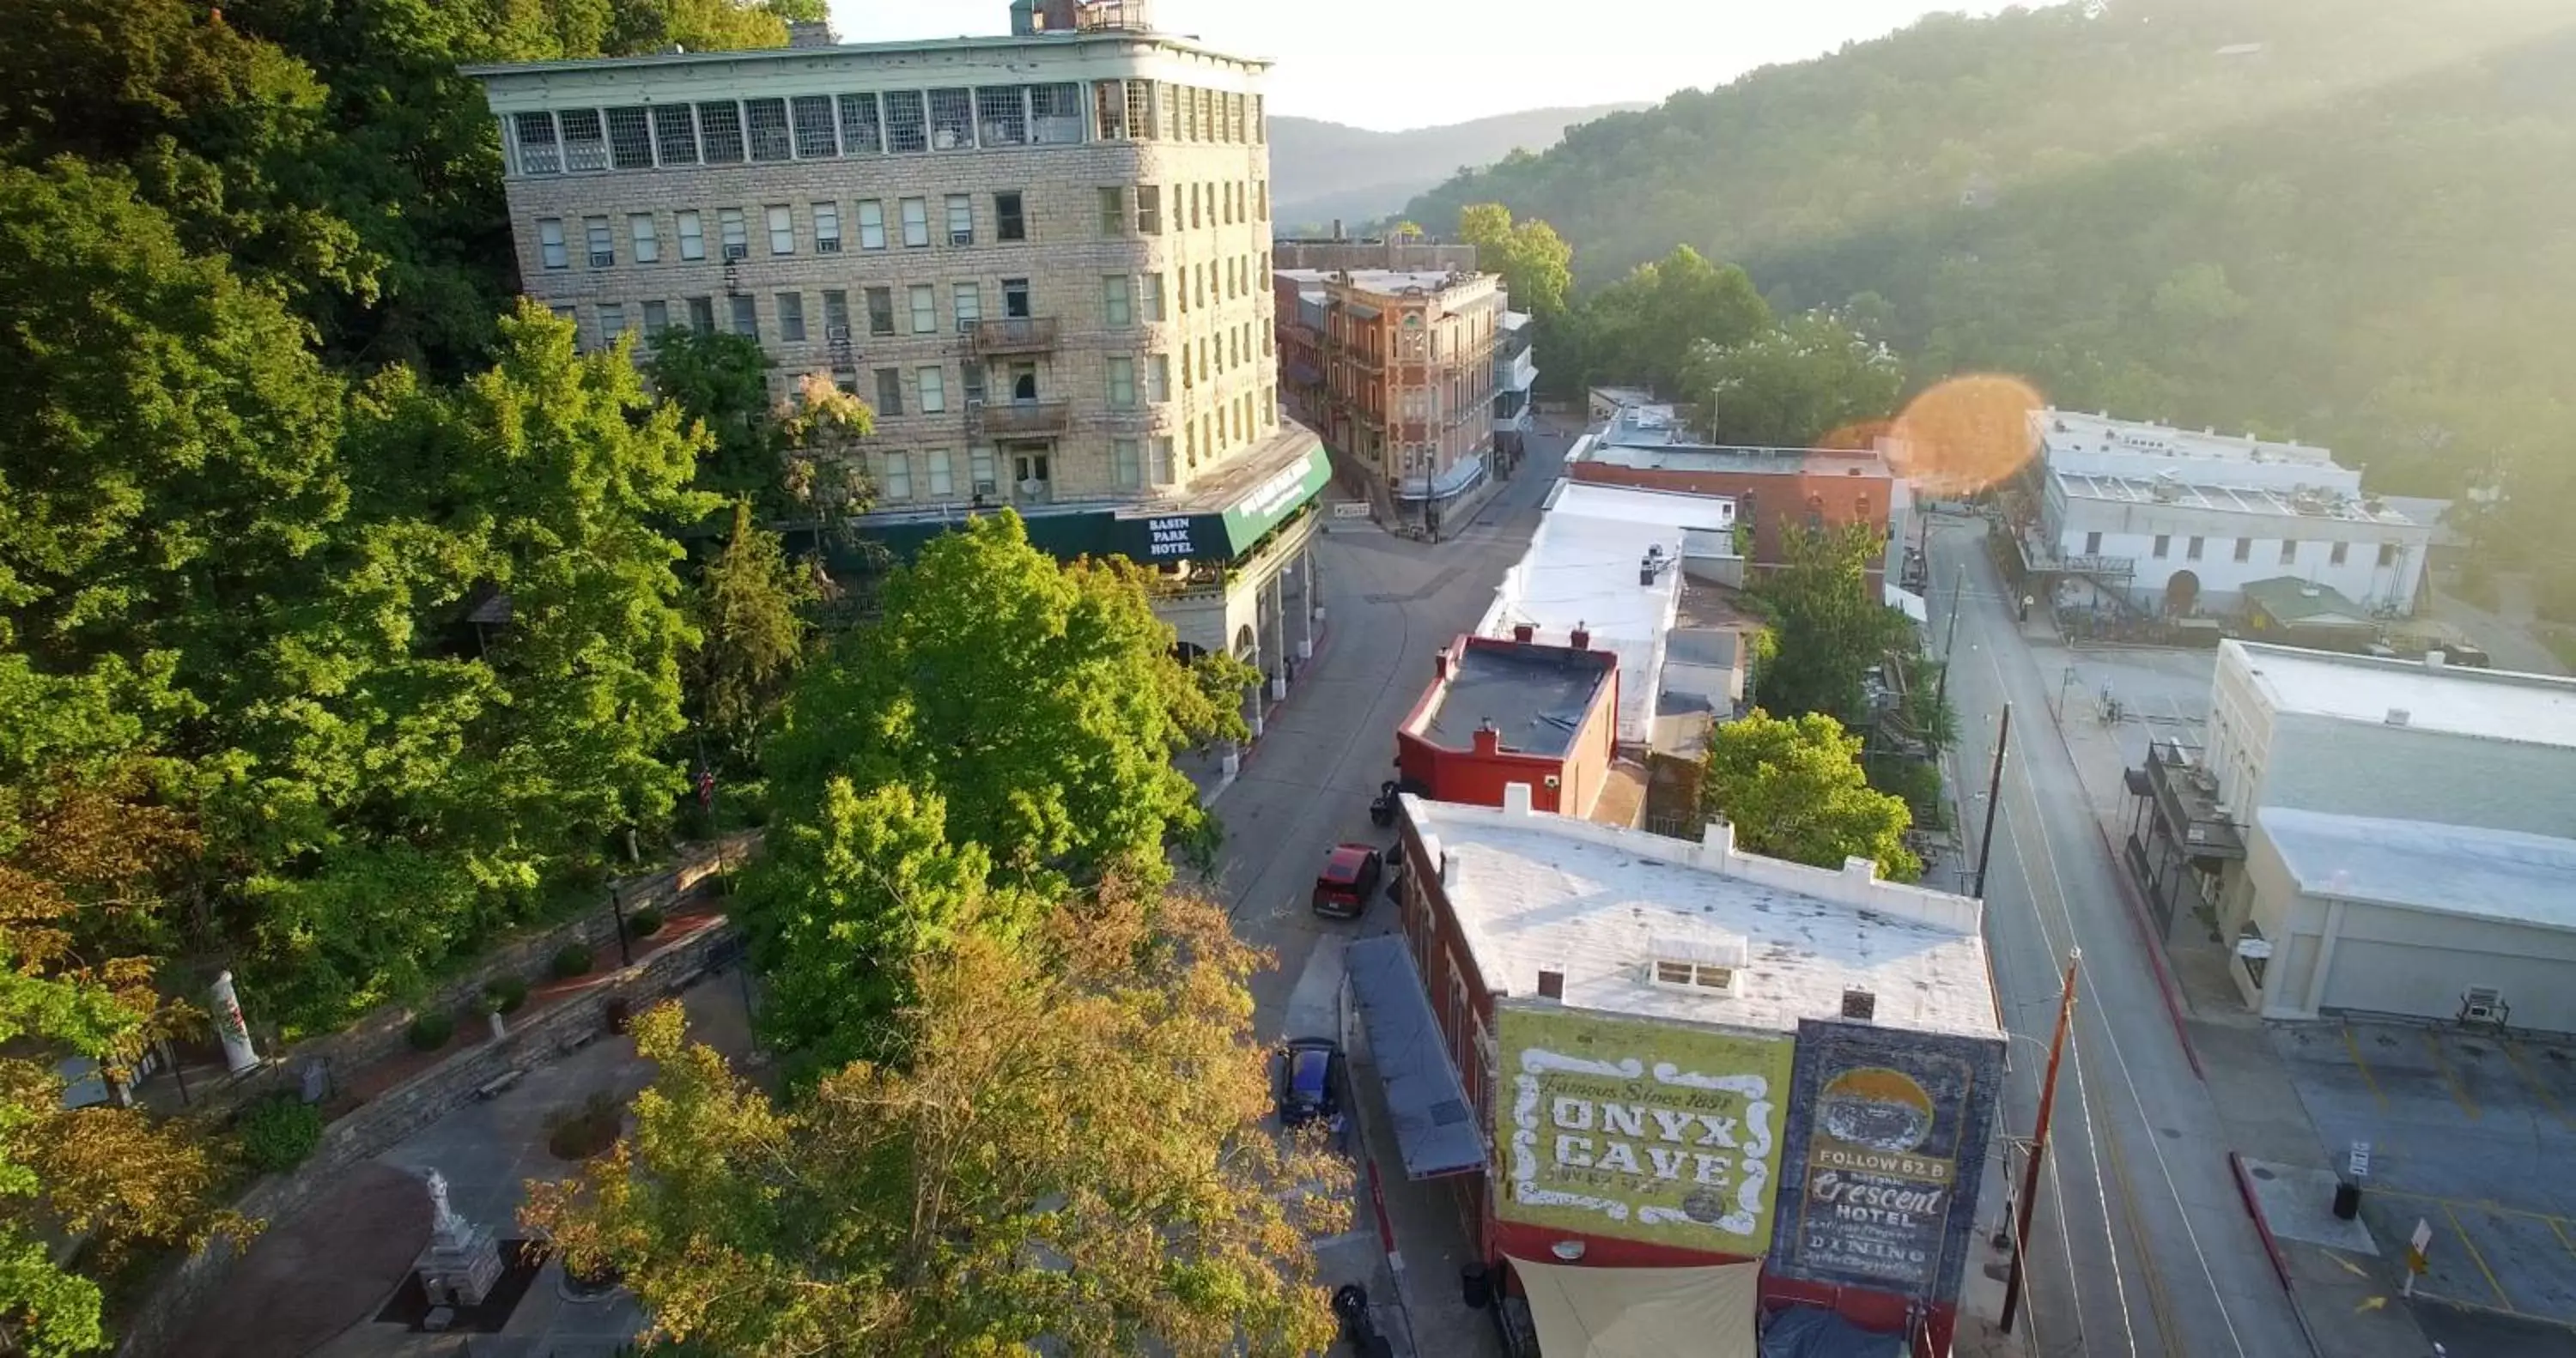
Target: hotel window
967,300
827,228
970,380
1158,378
550,243
720,131
766,121
630,139
2245,549
1118,300
1260,129
836,314
862,130
1010,217
1122,383
2289,551
897,481
2336,555
1261,200
2191,550
1149,209
916,223
961,219
925,309
657,318
791,317
934,391
889,391
2164,545
872,225
979,468
1055,114
1002,115
952,120
539,152
737,241
1163,460
942,478
782,230
602,245
702,315
2388,554
1113,210
1015,299
880,311
1140,109
675,134
648,243
1153,297
1109,99
693,235
746,316
612,322
907,130
1125,464
585,141
813,116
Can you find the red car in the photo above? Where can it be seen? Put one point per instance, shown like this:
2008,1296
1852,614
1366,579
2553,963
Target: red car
1350,877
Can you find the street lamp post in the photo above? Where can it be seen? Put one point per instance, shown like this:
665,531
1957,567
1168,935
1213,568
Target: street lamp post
1994,800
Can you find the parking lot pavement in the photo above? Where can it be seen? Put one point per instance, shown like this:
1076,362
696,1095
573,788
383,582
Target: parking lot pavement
2469,1133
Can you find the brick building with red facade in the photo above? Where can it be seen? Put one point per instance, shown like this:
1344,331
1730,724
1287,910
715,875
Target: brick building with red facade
1511,710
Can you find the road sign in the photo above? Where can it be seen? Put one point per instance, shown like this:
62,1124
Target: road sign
2418,1253
2360,1160
1351,509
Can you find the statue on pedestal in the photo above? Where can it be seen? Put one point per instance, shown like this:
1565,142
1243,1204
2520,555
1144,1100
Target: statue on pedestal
462,1261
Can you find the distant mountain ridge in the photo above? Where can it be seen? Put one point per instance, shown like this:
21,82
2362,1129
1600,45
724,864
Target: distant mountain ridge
1321,171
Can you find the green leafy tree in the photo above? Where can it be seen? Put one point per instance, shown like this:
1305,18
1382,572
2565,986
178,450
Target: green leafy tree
1536,264
1040,701
1071,1157
1792,386
752,638
1830,627
721,380
825,467
1793,788
1641,329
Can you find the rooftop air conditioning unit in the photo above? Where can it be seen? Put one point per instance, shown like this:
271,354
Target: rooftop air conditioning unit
2483,1004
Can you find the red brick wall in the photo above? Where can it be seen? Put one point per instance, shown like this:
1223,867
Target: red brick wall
1776,499
1477,775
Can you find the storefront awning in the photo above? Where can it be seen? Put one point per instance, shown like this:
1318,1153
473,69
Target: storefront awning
1642,1312
1433,1126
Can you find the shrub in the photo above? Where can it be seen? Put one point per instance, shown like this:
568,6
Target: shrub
505,995
573,959
279,1132
429,1032
644,923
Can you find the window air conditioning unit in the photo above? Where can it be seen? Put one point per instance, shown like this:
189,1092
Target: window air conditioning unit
985,487
961,238
827,245
974,403
836,334
966,324
2483,1004
736,253
601,259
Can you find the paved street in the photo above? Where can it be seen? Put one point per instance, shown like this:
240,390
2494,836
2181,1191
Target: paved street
2141,1244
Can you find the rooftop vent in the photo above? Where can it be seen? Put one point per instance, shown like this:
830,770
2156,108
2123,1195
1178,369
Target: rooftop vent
1551,985
2398,716
1860,1005
1698,963
2435,659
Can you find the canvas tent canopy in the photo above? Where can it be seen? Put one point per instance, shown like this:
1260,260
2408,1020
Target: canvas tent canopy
1643,1312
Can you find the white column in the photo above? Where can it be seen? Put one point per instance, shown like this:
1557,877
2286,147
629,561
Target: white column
1306,600
1258,694
1279,632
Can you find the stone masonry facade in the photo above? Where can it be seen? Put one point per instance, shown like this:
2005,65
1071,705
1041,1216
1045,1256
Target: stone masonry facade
1129,254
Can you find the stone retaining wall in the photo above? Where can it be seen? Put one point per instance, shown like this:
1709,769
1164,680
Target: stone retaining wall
378,1124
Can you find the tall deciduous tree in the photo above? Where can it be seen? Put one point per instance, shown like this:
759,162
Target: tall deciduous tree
1792,386
1071,1156
1640,329
1830,627
1794,789
1040,701
1536,264
752,638
722,381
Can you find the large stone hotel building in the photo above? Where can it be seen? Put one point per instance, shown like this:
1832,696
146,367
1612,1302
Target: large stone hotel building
1043,258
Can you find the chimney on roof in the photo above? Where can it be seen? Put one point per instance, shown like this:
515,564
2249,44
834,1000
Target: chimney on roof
811,33
2436,658
1524,633
1717,839
1516,799
1860,869
1583,636
1551,985
1337,228
1440,664
1860,1005
1486,740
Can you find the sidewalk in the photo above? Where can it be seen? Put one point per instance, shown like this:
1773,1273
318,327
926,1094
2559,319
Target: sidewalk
1206,768
2346,1301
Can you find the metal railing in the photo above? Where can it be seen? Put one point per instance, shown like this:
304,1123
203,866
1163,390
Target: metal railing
1013,335
1017,417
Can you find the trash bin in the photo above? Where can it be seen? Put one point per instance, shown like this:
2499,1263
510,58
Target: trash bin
1476,1286
2347,1200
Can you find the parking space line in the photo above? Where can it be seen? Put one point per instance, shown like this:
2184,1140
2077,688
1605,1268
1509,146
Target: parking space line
2442,1063
2476,1258
2540,1091
2352,1045
2559,1229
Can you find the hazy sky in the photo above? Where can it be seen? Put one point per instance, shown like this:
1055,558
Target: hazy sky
1393,64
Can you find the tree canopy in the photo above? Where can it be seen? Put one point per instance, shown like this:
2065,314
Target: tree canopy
1804,384
1793,788
1829,626
1071,1152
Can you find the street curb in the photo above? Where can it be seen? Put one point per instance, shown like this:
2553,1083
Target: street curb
2271,1246
2166,985
1323,641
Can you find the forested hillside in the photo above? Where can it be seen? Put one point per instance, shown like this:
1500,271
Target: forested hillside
1321,172
2349,223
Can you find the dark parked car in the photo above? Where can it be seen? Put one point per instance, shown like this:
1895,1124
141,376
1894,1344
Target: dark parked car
1310,1083
1350,877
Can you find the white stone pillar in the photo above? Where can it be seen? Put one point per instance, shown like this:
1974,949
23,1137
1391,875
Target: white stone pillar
1306,600
1259,694
230,1029
1279,632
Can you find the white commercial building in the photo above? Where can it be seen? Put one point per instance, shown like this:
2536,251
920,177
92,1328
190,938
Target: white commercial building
2175,523
1608,561
2377,835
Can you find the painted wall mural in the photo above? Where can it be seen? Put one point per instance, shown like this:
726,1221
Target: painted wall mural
1640,1130
1885,1155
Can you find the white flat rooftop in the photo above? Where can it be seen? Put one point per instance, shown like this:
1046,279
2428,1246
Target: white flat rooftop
1582,568
2472,871
1386,282
2076,432
2534,709
1532,890
2229,499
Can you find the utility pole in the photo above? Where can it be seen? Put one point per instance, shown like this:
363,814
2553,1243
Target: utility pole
1941,690
1994,800
2039,1141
